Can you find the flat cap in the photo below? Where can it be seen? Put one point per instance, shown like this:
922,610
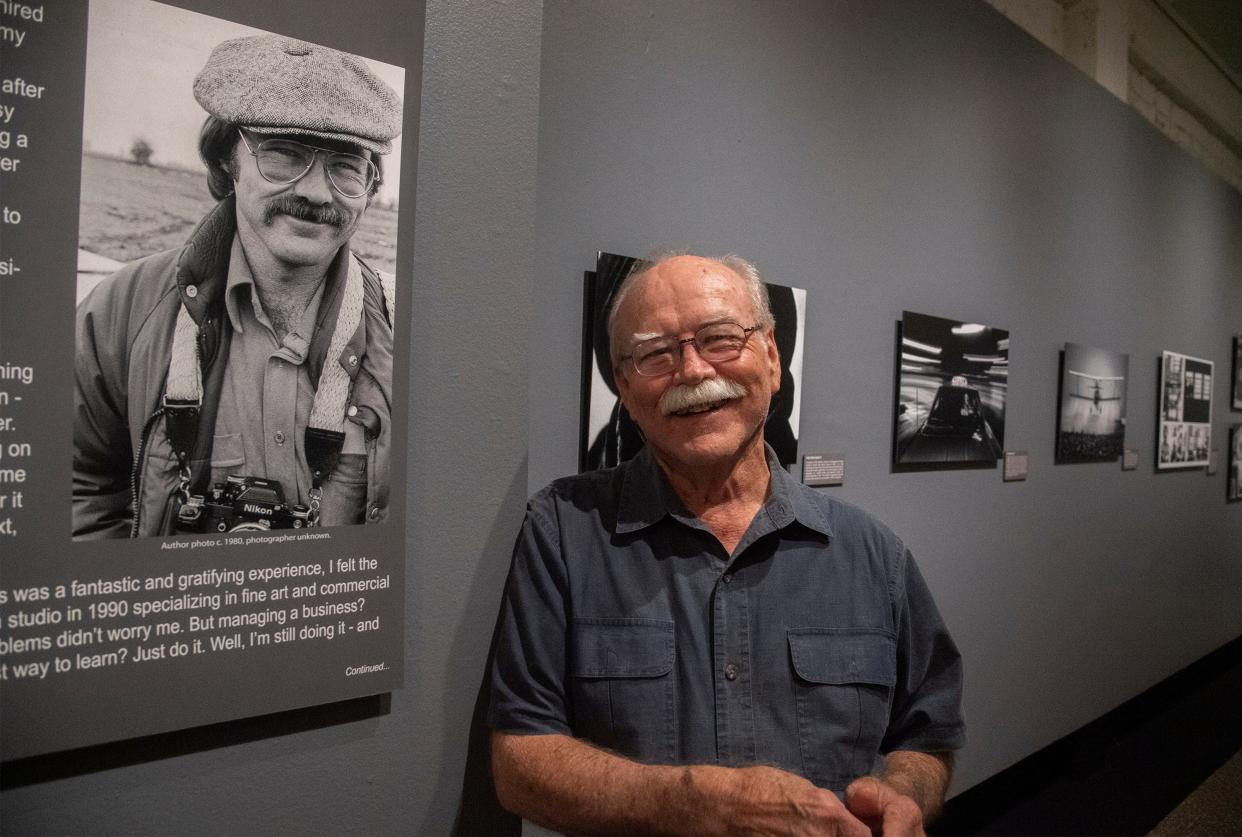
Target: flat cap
278,84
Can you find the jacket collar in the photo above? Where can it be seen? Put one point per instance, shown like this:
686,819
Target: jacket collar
203,266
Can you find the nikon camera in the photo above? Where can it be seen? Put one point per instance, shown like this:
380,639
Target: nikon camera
241,504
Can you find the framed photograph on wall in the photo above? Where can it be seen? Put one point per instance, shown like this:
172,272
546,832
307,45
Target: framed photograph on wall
608,436
1233,485
1235,401
1091,421
1184,432
952,383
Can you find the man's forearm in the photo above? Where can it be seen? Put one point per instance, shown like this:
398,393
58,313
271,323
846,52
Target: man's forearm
568,785
924,777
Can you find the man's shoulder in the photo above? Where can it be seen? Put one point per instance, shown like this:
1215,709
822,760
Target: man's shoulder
848,522
590,493
136,288
378,305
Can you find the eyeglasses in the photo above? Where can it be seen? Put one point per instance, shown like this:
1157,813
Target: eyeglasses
715,343
285,161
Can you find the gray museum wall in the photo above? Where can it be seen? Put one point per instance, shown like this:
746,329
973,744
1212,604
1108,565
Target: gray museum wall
928,157
884,156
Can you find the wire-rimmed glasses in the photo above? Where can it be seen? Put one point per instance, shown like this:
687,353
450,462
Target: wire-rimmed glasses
284,161
715,343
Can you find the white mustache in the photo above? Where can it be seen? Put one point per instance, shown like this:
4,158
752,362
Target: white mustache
706,391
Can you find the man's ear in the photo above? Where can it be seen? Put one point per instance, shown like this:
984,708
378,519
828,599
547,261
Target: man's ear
774,360
622,383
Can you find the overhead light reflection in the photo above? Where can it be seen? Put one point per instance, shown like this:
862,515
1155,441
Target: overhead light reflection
935,350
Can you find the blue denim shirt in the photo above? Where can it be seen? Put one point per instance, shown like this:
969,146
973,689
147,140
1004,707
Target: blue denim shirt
815,647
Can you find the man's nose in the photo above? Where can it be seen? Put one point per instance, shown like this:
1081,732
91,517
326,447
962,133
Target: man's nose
314,185
691,367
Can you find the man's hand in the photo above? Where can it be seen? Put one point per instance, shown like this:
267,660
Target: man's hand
771,801
568,785
883,809
909,793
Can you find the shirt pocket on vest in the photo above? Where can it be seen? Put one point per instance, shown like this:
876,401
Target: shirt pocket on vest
843,684
622,685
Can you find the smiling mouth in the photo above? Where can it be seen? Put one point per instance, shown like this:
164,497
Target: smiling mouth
708,407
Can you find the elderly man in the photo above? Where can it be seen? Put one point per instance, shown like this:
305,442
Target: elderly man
694,641
255,363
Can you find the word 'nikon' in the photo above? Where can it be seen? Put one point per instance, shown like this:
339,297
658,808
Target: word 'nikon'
241,504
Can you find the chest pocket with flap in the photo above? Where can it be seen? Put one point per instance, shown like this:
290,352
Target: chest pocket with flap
843,685
622,685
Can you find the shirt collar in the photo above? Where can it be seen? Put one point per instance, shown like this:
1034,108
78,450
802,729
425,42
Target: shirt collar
240,277
647,498
790,500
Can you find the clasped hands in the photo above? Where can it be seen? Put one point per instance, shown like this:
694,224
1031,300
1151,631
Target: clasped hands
773,801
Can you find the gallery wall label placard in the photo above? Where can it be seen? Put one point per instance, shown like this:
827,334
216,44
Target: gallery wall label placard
819,469
250,587
1016,465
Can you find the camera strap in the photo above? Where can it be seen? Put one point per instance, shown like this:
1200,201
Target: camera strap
183,397
325,431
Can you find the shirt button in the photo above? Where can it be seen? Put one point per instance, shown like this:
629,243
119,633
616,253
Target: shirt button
191,291
727,578
352,411
353,360
730,671
280,437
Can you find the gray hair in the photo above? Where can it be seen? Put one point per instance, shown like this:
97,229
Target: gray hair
749,274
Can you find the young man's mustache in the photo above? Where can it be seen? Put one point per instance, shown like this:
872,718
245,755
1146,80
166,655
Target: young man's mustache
303,210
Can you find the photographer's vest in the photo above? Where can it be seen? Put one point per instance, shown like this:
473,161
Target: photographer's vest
325,431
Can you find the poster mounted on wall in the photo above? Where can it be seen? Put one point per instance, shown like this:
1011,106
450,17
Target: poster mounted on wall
952,383
1091,425
609,436
1235,401
1184,432
204,355
1233,482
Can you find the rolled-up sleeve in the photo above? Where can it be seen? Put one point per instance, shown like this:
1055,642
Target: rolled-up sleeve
926,714
528,693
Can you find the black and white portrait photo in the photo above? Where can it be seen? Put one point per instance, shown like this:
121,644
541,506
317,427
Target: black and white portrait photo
236,295
1184,433
609,436
1091,423
953,378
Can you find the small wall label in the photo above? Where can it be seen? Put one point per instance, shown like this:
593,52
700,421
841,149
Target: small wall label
823,469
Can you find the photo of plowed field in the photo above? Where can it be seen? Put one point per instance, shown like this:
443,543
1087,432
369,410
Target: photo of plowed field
129,211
